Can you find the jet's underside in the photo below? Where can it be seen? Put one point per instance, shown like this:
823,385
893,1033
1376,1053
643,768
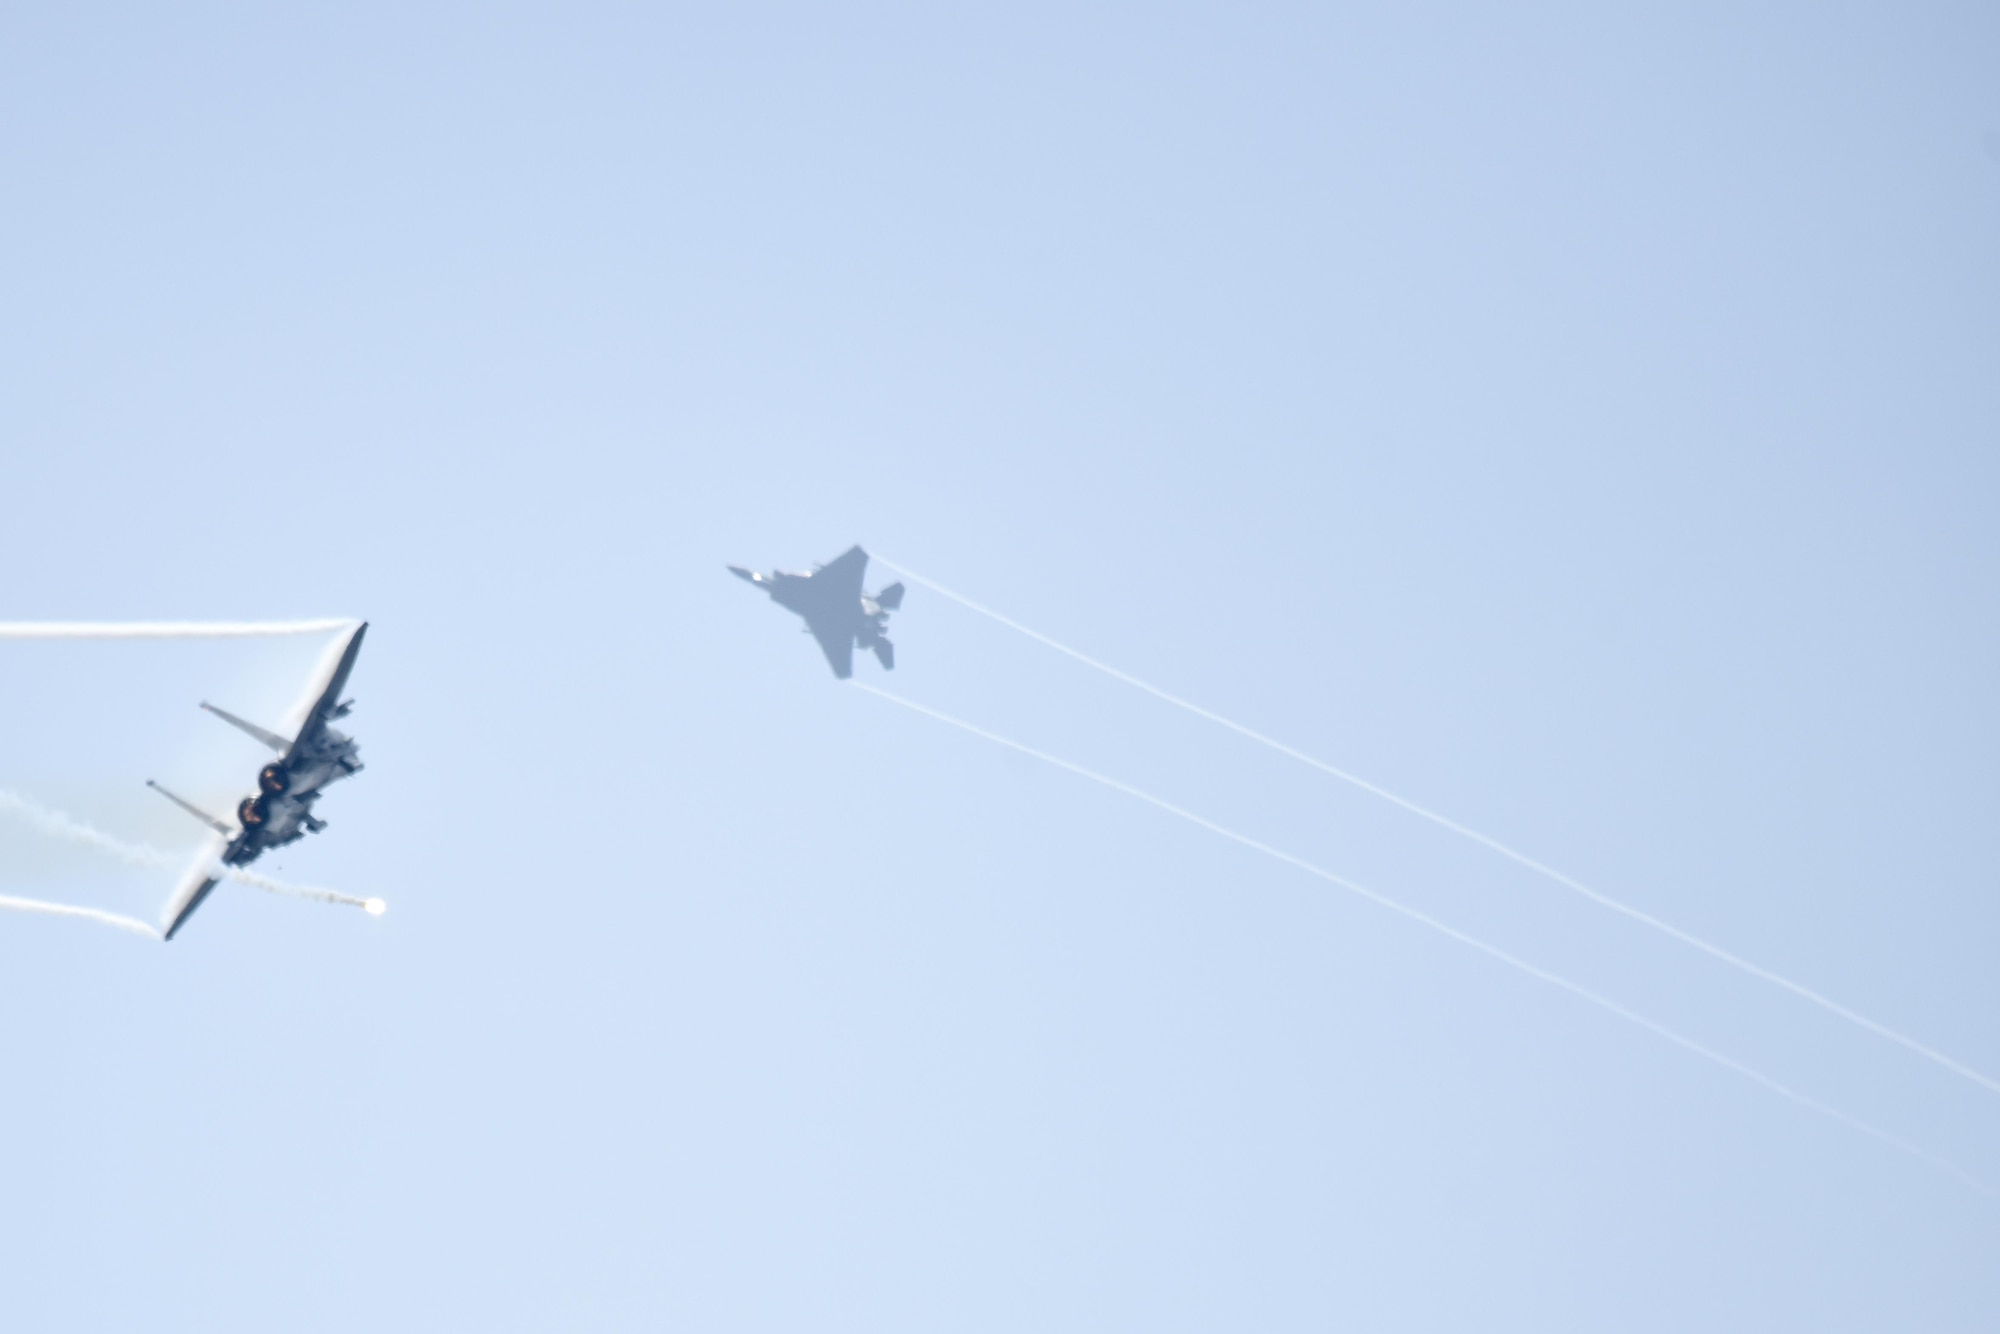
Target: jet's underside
836,612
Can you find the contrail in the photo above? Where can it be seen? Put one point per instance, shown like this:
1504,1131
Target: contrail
1603,900
12,904
58,825
162,629
1652,1026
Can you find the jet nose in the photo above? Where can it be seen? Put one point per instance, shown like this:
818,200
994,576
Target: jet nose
742,573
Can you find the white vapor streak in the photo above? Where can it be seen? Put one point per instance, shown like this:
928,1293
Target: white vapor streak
1533,970
12,904
271,886
58,825
1603,900
162,629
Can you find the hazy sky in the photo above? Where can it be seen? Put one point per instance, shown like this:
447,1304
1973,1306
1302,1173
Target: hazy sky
1583,423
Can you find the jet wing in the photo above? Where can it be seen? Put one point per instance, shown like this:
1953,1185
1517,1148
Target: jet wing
839,581
195,885
331,682
201,891
839,648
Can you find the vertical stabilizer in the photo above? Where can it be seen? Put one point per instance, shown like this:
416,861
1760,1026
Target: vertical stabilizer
194,810
271,739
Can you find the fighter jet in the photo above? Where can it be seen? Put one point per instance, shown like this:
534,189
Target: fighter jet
837,613
281,810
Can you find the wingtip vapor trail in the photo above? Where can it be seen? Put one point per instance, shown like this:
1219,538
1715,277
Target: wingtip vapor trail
1576,989
166,629
47,909
1603,900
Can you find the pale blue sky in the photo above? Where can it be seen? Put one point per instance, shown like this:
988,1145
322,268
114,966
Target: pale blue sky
1582,422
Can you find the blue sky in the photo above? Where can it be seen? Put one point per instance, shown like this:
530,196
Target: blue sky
1582,423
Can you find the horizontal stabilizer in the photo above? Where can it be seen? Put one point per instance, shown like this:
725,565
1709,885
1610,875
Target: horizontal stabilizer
271,739
885,653
890,598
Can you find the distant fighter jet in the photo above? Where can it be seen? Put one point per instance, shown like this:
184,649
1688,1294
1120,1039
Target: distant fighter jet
281,811
837,613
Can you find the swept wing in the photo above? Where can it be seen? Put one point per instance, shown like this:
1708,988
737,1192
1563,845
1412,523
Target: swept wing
839,580
835,589
838,644
326,706
195,885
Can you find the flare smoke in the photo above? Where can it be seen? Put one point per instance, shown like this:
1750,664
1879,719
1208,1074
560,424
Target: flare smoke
70,829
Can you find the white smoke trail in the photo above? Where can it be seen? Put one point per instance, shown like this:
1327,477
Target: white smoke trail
270,886
12,904
163,629
57,825
1652,1026
1603,900
67,827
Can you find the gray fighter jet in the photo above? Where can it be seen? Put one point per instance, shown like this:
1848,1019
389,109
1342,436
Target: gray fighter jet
281,810
837,613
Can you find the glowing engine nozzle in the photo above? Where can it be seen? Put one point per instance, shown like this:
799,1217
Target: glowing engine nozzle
375,907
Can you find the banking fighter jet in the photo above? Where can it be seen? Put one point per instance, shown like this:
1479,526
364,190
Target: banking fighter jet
280,812
837,613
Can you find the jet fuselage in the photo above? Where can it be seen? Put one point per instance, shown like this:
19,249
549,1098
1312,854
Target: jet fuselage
836,612
281,812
